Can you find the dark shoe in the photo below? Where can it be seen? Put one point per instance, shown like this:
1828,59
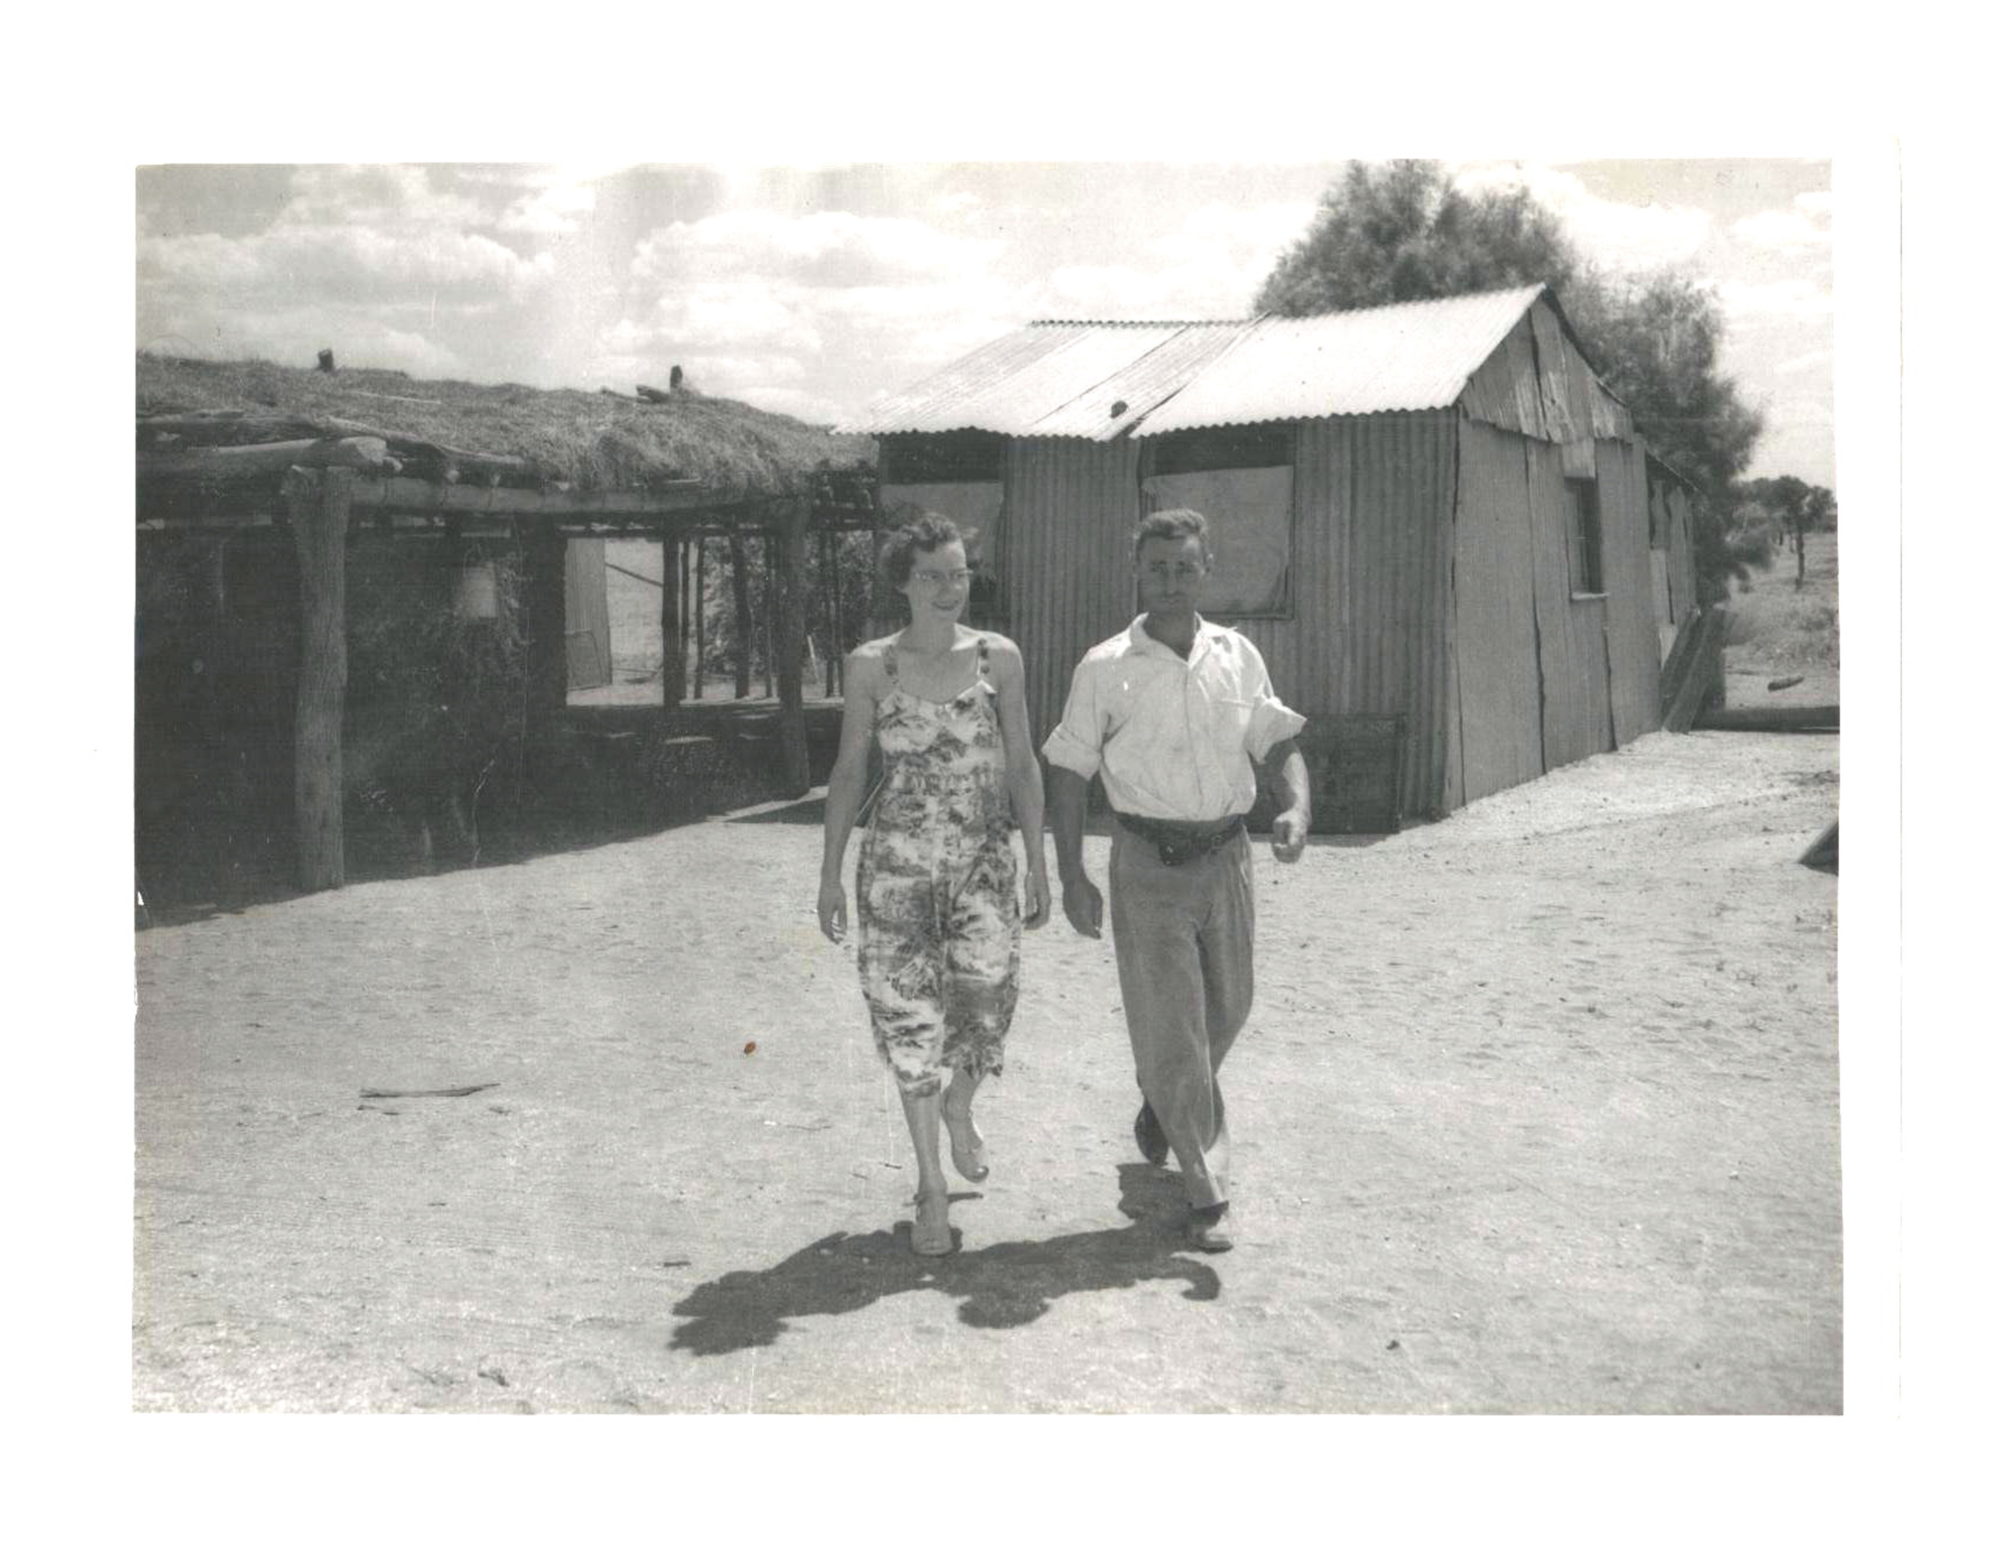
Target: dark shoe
1210,1228
1152,1140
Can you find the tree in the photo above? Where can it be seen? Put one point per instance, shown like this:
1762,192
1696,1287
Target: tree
1399,231
1791,508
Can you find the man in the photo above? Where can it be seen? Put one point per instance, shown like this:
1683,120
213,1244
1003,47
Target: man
1172,711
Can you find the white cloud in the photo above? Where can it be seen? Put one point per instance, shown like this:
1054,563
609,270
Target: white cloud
1608,231
338,262
1209,267
752,301
294,334
1806,362
550,210
374,195
1794,297
1808,224
824,248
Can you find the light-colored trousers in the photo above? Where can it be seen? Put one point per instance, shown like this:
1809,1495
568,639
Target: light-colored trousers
1184,937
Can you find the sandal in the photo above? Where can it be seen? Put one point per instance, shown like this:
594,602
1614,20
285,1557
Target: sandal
968,1156
931,1235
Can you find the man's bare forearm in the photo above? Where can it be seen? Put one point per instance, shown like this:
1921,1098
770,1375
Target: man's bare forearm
1069,793
1291,785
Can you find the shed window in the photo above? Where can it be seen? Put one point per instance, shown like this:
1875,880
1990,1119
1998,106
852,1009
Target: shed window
1240,479
925,459
1586,536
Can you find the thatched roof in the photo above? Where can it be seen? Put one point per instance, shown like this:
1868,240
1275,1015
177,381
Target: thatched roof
595,442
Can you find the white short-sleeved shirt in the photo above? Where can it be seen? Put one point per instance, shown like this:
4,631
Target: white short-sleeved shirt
1174,738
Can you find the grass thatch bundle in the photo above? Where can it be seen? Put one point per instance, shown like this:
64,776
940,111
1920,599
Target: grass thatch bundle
591,440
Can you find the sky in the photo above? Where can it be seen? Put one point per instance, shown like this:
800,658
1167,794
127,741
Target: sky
811,290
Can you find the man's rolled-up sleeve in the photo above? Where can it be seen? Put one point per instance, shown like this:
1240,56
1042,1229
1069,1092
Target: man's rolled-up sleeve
1077,744
1271,722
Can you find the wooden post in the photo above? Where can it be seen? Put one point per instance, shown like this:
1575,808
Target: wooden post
672,674
739,566
790,644
700,615
829,581
547,658
318,503
685,575
767,547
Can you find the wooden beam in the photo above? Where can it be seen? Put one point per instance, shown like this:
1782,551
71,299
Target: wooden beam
319,502
234,462
404,494
790,636
253,428
673,672
739,580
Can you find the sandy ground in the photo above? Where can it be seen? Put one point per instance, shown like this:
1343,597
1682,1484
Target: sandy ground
1537,1113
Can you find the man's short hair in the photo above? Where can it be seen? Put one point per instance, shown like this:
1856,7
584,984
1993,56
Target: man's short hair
926,533
1172,525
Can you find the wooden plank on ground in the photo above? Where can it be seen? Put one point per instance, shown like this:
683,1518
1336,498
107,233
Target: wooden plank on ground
1702,672
1796,717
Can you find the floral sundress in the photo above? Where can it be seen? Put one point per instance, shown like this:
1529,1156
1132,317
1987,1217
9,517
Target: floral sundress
940,923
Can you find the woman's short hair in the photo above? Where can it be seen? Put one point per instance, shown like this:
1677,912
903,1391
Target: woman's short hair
1171,525
926,533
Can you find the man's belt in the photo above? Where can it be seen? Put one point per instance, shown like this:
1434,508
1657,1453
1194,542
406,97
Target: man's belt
1179,843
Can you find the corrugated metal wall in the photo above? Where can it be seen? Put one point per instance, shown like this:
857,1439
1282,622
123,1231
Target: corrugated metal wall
1680,563
1065,565
1499,700
1576,694
1628,586
1373,497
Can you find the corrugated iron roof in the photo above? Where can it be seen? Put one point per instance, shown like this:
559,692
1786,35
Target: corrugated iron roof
1400,357
1009,385
1063,378
1115,403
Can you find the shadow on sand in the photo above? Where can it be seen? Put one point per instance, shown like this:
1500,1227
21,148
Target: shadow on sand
996,1285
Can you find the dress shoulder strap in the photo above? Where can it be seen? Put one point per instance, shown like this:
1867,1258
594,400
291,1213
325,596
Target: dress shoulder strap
889,662
983,674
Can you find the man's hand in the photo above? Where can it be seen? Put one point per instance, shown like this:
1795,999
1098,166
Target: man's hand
1084,906
1035,901
1288,836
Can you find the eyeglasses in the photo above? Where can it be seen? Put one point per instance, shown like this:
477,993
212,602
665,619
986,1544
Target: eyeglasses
933,577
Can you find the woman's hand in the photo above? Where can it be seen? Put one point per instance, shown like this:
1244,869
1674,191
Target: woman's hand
833,910
1036,897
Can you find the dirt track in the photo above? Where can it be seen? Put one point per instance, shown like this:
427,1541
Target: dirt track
1537,1112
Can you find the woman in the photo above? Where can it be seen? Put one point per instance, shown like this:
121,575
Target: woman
940,942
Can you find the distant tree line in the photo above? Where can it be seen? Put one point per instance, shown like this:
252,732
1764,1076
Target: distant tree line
1400,231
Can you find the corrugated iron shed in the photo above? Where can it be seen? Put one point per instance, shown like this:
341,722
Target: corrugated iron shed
1063,378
